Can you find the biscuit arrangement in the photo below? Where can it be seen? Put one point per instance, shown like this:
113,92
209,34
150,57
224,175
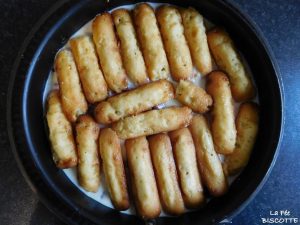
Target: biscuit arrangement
172,158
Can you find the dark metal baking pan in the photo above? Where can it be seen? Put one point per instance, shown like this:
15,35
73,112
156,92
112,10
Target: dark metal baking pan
26,122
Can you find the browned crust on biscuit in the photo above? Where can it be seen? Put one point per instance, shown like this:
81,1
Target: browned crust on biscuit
151,43
193,96
247,123
166,175
228,60
186,162
91,77
153,122
142,178
131,54
113,167
108,52
60,133
208,161
134,101
178,53
194,30
87,133
223,126
72,98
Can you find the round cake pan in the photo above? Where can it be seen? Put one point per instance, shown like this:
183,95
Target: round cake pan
25,114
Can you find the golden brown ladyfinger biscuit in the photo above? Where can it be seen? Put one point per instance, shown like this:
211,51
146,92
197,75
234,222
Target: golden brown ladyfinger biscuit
131,54
223,126
87,133
151,43
178,53
108,52
186,162
134,101
247,123
113,167
91,77
193,96
142,178
208,161
194,31
153,122
72,98
165,173
228,60
60,133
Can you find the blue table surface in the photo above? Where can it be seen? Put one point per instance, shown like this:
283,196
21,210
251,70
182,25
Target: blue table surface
279,21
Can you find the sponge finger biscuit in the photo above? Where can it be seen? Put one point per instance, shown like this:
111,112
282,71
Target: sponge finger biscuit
151,42
153,122
134,101
178,53
108,52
